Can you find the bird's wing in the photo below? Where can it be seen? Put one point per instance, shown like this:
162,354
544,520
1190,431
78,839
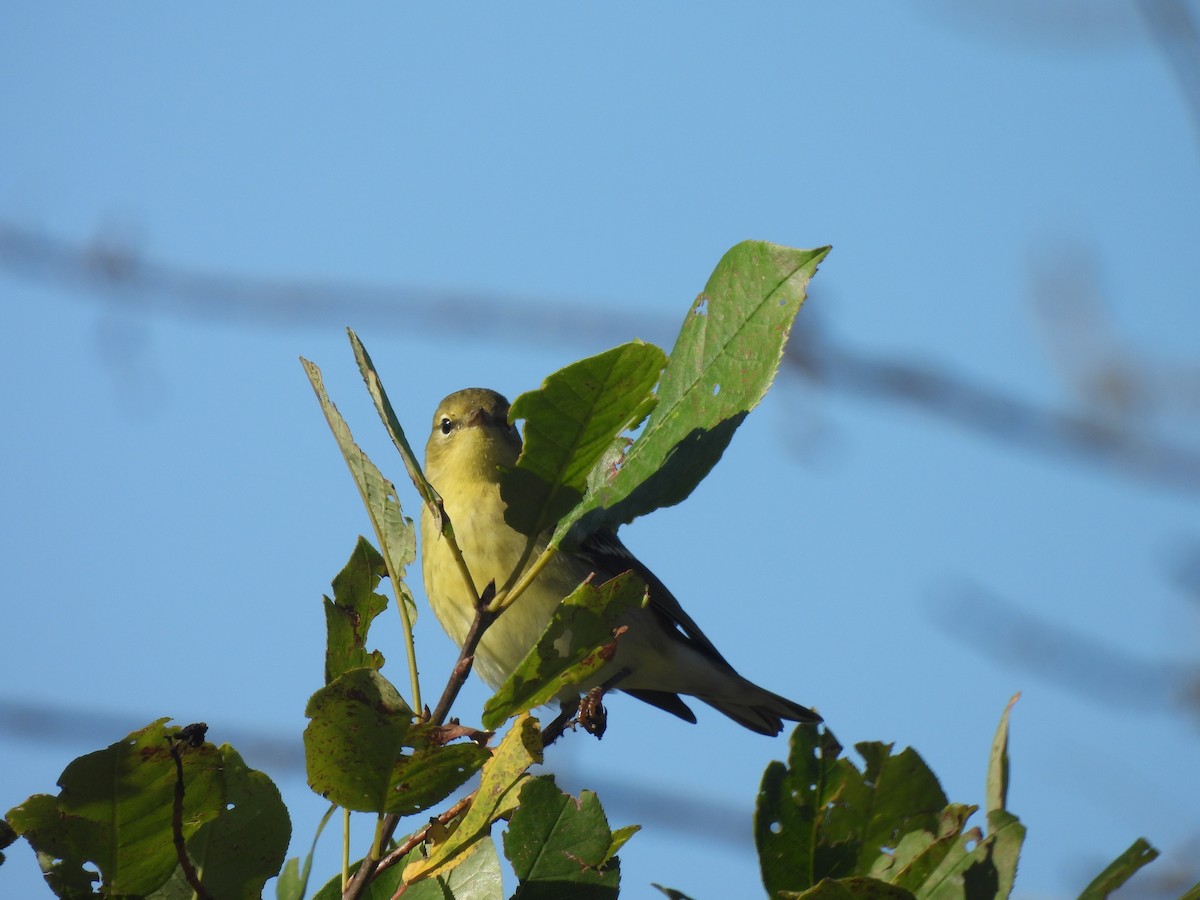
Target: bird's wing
609,557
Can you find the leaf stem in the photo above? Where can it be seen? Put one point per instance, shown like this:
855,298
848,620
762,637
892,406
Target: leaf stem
345,847
505,599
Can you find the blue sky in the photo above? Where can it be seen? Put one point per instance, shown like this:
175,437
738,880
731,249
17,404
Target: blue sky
175,507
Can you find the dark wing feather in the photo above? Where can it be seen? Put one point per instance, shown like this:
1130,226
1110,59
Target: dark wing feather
664,700
609,557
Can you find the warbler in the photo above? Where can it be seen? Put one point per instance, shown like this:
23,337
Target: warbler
662,654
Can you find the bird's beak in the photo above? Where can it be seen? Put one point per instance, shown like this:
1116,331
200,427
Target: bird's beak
477,417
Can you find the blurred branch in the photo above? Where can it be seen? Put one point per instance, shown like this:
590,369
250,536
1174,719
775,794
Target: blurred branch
118,276
1173,28
116,273
1065,656
1084,437
1112,378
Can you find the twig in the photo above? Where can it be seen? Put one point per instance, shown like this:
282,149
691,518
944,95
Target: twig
483,618
417,837
466,656
193,735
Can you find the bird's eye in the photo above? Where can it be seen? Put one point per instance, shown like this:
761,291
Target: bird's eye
447,425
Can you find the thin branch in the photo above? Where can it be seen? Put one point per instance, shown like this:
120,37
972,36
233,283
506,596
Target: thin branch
458,677
466,655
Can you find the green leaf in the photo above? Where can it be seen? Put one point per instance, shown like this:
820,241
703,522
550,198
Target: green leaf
478,877
874,809
7,836
246,844
570,423
788,810
1120,870
293,880
391,423
393,530
997,777
819,817
353,748
670,892
349,615
978,866
725,358
496,797
920,852
560,846
64,844
577,642
115,810
852,888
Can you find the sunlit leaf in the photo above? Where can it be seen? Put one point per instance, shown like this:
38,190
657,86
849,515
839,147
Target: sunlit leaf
499,779
115,810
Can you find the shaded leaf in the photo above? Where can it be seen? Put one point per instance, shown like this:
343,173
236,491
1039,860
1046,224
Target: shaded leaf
7,837
725,358
979,866
560,846
788,810
354,749
393,530
670,892
63,844
920,852
819,817
292,883
852,888
578,641
874,809
1120,870
348,616
570,423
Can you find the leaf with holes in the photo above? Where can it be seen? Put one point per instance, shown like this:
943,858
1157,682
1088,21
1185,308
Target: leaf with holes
348,616
819,817
577,643
725,358
115,810
570,422
354,749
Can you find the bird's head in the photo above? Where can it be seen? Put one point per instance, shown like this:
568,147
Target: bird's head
471,436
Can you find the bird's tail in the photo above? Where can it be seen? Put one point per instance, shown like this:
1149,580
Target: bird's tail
749,705
760,710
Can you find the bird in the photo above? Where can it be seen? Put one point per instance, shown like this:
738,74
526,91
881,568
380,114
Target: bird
662,654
